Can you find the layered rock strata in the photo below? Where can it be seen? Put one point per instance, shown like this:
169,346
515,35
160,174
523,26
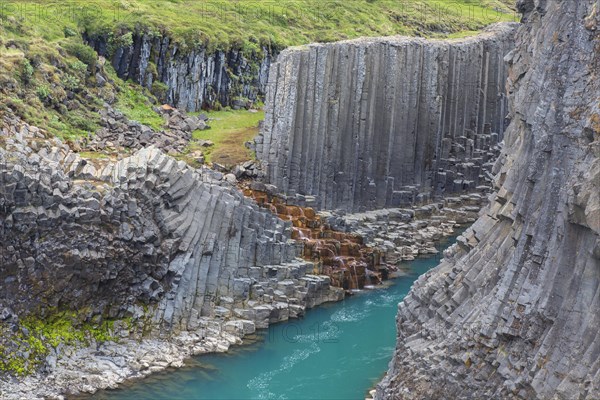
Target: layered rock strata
512,312
385,122
194,79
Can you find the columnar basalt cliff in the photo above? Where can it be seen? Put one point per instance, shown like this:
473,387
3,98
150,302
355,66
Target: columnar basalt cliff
147,229
195,78
383,122
341,256
147,239
513,311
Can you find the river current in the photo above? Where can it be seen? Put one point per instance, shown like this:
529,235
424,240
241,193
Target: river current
337,351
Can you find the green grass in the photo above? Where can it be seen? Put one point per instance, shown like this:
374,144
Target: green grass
134,101
45,88
52,84
251,24
64,327
229,131
47,74
462,34
26,349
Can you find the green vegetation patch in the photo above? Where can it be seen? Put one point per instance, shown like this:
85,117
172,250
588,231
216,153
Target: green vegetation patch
229,131
250,25
23,351
65,328
136,102
44,81
50,78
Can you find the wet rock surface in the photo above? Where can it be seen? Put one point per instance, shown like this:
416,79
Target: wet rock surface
385,122
342,256
512,312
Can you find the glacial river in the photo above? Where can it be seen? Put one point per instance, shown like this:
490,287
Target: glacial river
337,351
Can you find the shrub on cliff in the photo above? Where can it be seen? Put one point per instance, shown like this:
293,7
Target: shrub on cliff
84,53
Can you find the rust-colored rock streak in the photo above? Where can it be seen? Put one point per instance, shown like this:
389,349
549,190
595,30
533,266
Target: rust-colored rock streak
341,256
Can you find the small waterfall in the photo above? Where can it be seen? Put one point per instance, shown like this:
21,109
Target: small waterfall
368,278
333,251
301,235
355,276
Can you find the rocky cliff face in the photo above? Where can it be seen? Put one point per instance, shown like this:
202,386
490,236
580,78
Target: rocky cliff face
512,312
383,122
196,78
173,261
146,231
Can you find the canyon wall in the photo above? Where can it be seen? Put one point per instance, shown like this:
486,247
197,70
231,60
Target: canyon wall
384,122
143,235
513,310
195,78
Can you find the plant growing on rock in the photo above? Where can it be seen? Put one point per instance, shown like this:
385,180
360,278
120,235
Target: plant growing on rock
159,90
43,92
71,82
26,71
84,53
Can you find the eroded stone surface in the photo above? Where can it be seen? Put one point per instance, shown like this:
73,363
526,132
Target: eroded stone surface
385,122
195,79
147,238
512,312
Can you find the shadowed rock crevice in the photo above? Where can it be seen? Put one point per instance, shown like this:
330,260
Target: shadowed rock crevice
195,79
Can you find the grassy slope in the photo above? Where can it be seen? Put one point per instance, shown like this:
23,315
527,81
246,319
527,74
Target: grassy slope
247,24
43,79
229,131
51,83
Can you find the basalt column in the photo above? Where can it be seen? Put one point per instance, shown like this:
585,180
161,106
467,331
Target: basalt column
513,312
380,122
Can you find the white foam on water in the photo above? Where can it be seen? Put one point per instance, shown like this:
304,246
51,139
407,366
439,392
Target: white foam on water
349,315
385,299
262,382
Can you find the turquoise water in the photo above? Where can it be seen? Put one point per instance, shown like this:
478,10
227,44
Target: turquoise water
338,351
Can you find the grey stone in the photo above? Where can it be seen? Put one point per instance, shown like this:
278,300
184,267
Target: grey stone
197,78
512,313
349,124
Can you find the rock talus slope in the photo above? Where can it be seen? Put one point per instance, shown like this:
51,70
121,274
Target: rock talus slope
384,122
514,309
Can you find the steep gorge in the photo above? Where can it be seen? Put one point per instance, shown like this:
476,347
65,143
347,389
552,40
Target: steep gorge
179,251
512,312
385,122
